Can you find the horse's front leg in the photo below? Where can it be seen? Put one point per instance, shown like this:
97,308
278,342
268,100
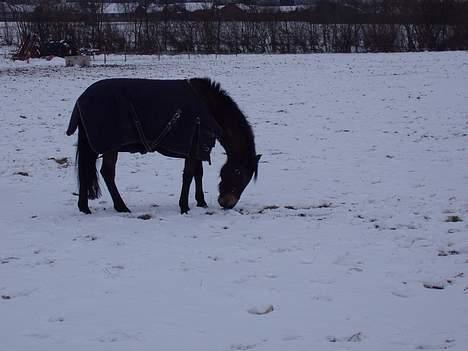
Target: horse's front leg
109,160
189,171
199,195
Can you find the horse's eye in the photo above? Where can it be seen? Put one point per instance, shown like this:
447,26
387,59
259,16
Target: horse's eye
237,171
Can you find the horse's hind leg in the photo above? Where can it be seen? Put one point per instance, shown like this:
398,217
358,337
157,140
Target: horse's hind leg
87,175
109,160
199,195
187,177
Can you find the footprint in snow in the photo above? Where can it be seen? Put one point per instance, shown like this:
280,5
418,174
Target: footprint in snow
5,260
292,337
436,285
448,252
261,310
358,337
116,336
323,298
241,347
24,293
56,319
444,346
88,237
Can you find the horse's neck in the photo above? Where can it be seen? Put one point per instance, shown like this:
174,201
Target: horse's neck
235,139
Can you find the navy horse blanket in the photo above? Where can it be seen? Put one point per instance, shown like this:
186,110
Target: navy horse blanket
145,115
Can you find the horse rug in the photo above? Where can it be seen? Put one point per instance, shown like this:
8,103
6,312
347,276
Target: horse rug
145,115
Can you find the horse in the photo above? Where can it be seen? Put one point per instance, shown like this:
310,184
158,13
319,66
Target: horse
120,115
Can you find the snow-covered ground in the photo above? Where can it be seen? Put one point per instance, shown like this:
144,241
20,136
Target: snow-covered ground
356,232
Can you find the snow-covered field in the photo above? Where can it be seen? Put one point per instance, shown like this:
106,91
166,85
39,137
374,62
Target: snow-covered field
356,231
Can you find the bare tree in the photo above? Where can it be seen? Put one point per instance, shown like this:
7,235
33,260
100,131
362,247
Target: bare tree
6,15
93,14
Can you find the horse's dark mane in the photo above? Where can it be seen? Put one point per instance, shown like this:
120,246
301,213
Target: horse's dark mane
228,104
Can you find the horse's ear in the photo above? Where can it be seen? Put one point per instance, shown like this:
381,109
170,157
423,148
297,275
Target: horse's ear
257,158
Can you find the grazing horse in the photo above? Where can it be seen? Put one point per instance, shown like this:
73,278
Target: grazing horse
177,118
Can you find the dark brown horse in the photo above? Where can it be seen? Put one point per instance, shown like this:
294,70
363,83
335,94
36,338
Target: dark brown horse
177,118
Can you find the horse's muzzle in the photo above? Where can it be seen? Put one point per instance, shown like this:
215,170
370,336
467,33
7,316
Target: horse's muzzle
227,201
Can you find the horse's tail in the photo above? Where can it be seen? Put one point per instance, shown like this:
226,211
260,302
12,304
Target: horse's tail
74,119
86,162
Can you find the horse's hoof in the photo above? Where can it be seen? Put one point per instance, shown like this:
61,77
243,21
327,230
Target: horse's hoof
122,209
184,210
85,210
202,204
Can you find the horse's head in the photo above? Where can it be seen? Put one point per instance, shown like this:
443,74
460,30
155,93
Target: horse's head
237,139
234,179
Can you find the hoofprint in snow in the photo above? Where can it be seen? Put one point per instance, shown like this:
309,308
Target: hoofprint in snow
355,236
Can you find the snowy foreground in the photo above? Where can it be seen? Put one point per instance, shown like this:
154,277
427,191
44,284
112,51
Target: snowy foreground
355,236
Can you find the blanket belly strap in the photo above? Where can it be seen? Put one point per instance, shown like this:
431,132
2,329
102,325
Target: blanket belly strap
151,146
166,130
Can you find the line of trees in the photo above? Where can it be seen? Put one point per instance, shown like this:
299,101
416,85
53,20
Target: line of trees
328,26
